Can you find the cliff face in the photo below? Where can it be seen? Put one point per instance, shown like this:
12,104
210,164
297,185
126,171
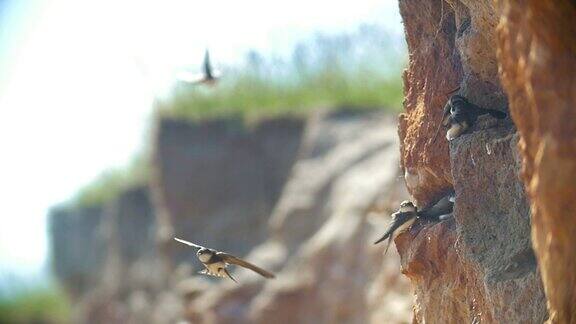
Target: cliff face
129,229
452,50
479,266
537,52
105,256
292,195
221,177
328,271
77,265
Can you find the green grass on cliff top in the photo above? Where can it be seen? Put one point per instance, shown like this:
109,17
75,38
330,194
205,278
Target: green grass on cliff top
358,70
253,96
108,184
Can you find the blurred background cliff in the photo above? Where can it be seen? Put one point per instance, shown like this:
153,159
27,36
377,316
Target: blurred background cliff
290,160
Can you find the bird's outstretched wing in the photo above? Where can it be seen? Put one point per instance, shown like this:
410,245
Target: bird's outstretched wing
444,121
189,77
189,243
398,219
446,112
207,66
237,261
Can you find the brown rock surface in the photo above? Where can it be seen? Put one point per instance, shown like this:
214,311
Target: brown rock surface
434,69
451,46
480,265
537,52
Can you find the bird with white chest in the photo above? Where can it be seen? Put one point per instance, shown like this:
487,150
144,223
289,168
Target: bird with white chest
401,221
459,115
408,213
216,262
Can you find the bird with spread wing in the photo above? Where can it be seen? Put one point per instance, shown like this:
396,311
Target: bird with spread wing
216,262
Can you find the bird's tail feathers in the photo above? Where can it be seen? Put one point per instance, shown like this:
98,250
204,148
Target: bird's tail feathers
388,246
385,236
495,113
437,132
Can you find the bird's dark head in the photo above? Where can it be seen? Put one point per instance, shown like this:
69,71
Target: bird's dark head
204,254
407,206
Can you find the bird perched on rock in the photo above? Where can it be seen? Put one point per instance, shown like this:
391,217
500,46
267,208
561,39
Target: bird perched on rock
209,76
216,262
401,221
407,214
459,115
439,210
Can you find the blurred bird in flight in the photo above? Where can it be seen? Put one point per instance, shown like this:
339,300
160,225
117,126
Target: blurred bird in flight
216,262
208,76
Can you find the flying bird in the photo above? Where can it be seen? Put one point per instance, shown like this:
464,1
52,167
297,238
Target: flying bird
216,262
209,76
459,115
401,221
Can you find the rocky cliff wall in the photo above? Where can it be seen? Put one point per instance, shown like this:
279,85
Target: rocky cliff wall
321,242
106,256
218,181
77,247
478,267
537,54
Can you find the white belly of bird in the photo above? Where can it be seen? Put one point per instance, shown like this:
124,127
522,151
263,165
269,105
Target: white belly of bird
407,209
456,130
403,228
216,269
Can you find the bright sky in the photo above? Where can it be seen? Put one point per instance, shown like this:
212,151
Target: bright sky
78,79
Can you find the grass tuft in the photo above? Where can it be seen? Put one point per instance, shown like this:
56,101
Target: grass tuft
27,303
110,183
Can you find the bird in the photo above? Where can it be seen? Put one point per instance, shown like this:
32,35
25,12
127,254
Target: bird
440,209
216,262
209,76
459,115
401,221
